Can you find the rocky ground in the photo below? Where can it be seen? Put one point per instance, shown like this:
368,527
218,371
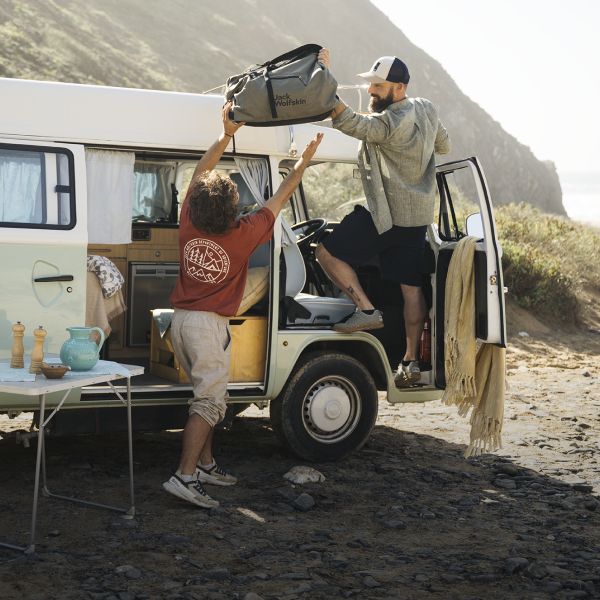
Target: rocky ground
407,517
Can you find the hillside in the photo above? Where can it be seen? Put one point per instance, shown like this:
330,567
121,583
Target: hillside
193,46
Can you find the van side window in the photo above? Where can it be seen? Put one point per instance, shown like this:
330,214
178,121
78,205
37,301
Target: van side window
458,198
35,188
153,192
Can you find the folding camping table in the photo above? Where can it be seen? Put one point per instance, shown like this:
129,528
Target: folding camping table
103,372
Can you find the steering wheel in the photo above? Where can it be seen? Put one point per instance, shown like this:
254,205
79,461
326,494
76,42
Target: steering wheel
308,231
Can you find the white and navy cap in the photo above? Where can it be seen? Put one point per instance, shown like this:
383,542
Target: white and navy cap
387,68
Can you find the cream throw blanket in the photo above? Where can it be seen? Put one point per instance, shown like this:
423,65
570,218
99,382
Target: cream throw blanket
473,379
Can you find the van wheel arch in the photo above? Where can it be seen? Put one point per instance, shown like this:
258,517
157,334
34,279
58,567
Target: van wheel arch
327,408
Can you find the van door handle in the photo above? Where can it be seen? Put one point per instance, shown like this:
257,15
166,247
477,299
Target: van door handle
54,278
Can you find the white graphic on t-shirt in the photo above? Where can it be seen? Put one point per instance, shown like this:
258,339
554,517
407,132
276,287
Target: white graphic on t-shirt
205,261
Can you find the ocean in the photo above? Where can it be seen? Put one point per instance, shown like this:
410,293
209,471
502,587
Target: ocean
581,196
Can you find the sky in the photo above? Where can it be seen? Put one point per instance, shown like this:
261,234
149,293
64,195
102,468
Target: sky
531,64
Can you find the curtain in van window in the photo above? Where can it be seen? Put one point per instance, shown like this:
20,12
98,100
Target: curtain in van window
110,196
255,173
152,191
20,187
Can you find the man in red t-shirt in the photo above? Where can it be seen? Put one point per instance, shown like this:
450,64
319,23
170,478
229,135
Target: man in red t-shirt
214,250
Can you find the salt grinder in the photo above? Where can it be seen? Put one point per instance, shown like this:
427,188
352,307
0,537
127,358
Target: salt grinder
16,359
37,354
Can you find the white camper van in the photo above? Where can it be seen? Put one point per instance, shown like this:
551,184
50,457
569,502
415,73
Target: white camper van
88,170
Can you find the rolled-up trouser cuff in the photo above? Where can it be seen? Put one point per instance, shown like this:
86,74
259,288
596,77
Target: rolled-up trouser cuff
211,410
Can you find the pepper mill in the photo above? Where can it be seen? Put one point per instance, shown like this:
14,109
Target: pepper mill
16,359
37,354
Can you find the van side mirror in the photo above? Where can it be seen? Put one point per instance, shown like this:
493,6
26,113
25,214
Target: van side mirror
474,226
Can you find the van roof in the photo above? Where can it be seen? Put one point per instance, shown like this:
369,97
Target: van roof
134,118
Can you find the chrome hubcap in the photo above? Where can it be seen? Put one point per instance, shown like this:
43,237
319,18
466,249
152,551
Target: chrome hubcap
331,409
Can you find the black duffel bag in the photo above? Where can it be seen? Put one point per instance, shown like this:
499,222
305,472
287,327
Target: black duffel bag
292,88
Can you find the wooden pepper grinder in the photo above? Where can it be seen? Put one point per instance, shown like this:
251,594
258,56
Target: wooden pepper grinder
37,354
16,359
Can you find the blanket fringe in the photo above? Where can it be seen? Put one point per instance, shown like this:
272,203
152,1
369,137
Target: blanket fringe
486,435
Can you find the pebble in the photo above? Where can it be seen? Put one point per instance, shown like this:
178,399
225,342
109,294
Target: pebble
172,538
508,469
507,484
218,574
371,582
252,596
515,564
395,524
302,474
304,502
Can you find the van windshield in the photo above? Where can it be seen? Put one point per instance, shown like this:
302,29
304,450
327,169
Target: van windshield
331,190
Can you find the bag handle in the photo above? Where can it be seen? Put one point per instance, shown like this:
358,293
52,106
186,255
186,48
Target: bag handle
292,54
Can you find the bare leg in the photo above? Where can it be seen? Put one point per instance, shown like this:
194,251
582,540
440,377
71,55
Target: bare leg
415,311
195,435
344,276
206,456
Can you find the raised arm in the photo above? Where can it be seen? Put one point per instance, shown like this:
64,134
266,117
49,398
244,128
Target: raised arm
324,57
213,154
290,183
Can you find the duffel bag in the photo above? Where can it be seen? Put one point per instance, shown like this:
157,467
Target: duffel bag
292,88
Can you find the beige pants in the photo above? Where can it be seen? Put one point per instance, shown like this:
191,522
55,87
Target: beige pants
202,344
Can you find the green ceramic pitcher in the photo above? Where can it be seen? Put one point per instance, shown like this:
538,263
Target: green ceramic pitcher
80,352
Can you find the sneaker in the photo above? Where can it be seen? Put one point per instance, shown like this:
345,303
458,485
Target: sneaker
408,375
360,321
192,491
215,475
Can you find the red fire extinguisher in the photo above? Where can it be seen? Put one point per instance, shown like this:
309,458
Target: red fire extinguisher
425,346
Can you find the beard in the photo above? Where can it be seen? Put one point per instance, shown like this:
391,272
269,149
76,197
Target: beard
377,105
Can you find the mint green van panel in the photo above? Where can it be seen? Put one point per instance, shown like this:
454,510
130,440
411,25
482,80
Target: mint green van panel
33,251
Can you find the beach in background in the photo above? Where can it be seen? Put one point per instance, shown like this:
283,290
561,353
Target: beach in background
581,196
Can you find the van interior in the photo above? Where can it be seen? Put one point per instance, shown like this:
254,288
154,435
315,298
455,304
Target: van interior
307,300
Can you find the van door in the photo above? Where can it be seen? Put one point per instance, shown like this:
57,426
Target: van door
43,240
463,191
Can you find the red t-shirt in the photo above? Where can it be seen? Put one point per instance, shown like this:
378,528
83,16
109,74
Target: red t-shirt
213,267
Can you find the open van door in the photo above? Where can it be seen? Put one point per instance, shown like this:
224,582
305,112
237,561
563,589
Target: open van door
43,240
462,184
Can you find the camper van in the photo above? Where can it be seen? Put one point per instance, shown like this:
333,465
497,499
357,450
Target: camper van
100,171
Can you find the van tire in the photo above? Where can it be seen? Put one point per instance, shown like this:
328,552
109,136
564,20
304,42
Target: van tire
327,408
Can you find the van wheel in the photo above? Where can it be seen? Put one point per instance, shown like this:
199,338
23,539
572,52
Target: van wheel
327,408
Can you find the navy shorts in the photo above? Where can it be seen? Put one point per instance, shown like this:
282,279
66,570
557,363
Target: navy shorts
398,251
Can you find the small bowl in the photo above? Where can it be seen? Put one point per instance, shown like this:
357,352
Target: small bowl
54,371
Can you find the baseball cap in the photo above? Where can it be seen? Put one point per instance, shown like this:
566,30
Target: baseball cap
387,68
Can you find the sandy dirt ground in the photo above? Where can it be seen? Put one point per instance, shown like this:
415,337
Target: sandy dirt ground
407,517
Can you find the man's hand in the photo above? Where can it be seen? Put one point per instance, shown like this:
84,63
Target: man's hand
290,183
311,147
323,57
229,127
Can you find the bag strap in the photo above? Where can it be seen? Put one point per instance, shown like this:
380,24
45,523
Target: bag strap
292,54
270,94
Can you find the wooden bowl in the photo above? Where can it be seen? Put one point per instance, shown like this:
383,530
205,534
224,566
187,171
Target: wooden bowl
54,371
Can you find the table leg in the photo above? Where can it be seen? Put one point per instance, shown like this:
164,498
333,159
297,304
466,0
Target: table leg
131,512
36,487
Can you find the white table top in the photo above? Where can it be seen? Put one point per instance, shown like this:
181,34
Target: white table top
75,379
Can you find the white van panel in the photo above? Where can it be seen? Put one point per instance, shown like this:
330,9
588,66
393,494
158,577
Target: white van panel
113,116
29,252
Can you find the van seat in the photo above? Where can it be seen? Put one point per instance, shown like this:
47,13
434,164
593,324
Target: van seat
323,309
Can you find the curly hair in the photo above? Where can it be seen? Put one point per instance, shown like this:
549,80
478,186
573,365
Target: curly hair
213,202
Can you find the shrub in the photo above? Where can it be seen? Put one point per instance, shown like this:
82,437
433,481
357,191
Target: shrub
547,260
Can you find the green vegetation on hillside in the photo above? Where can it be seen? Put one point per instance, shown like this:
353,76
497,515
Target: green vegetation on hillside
548,260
